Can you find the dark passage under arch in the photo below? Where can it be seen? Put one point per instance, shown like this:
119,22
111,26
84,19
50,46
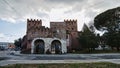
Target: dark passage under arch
56,47
39,46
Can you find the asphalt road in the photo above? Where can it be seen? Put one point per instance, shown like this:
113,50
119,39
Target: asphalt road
74,57
10,58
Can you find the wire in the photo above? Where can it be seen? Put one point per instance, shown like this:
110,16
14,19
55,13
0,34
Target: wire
11,7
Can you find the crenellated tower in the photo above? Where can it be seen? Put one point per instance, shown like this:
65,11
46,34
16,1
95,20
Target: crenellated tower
72,33
36,30
71,25
33,26
32,23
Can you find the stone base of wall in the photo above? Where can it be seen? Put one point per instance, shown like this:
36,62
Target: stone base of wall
26,51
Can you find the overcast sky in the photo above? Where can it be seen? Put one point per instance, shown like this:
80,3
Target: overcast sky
14,13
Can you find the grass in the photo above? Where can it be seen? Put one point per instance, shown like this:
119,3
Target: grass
75,65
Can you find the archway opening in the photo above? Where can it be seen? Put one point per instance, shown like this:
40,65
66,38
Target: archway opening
39,46
56,47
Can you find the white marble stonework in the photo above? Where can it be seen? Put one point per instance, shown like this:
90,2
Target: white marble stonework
48,42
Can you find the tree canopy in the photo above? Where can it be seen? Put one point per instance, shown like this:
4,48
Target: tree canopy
18,43
87,39
110,21
103,20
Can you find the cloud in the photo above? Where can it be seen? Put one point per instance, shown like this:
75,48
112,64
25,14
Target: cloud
1,35
16,11
8,37
3,38
13,11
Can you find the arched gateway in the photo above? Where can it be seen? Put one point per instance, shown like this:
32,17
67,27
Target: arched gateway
56,47
51,45
39,46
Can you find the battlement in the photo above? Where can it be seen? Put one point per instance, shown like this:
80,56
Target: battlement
70,20
44,29
33,23
71,24
34,20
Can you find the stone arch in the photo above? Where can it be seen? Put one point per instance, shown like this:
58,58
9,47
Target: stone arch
38,46
56,47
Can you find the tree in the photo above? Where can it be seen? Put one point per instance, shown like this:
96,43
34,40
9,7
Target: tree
87,39
110,22
18,43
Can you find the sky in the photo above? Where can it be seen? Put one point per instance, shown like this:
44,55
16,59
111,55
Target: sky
14,13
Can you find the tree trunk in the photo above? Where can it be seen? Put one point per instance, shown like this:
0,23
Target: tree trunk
117,48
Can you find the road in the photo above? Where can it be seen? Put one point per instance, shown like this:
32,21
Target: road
59,58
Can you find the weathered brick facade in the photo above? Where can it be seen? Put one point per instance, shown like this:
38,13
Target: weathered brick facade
71,28
66,30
